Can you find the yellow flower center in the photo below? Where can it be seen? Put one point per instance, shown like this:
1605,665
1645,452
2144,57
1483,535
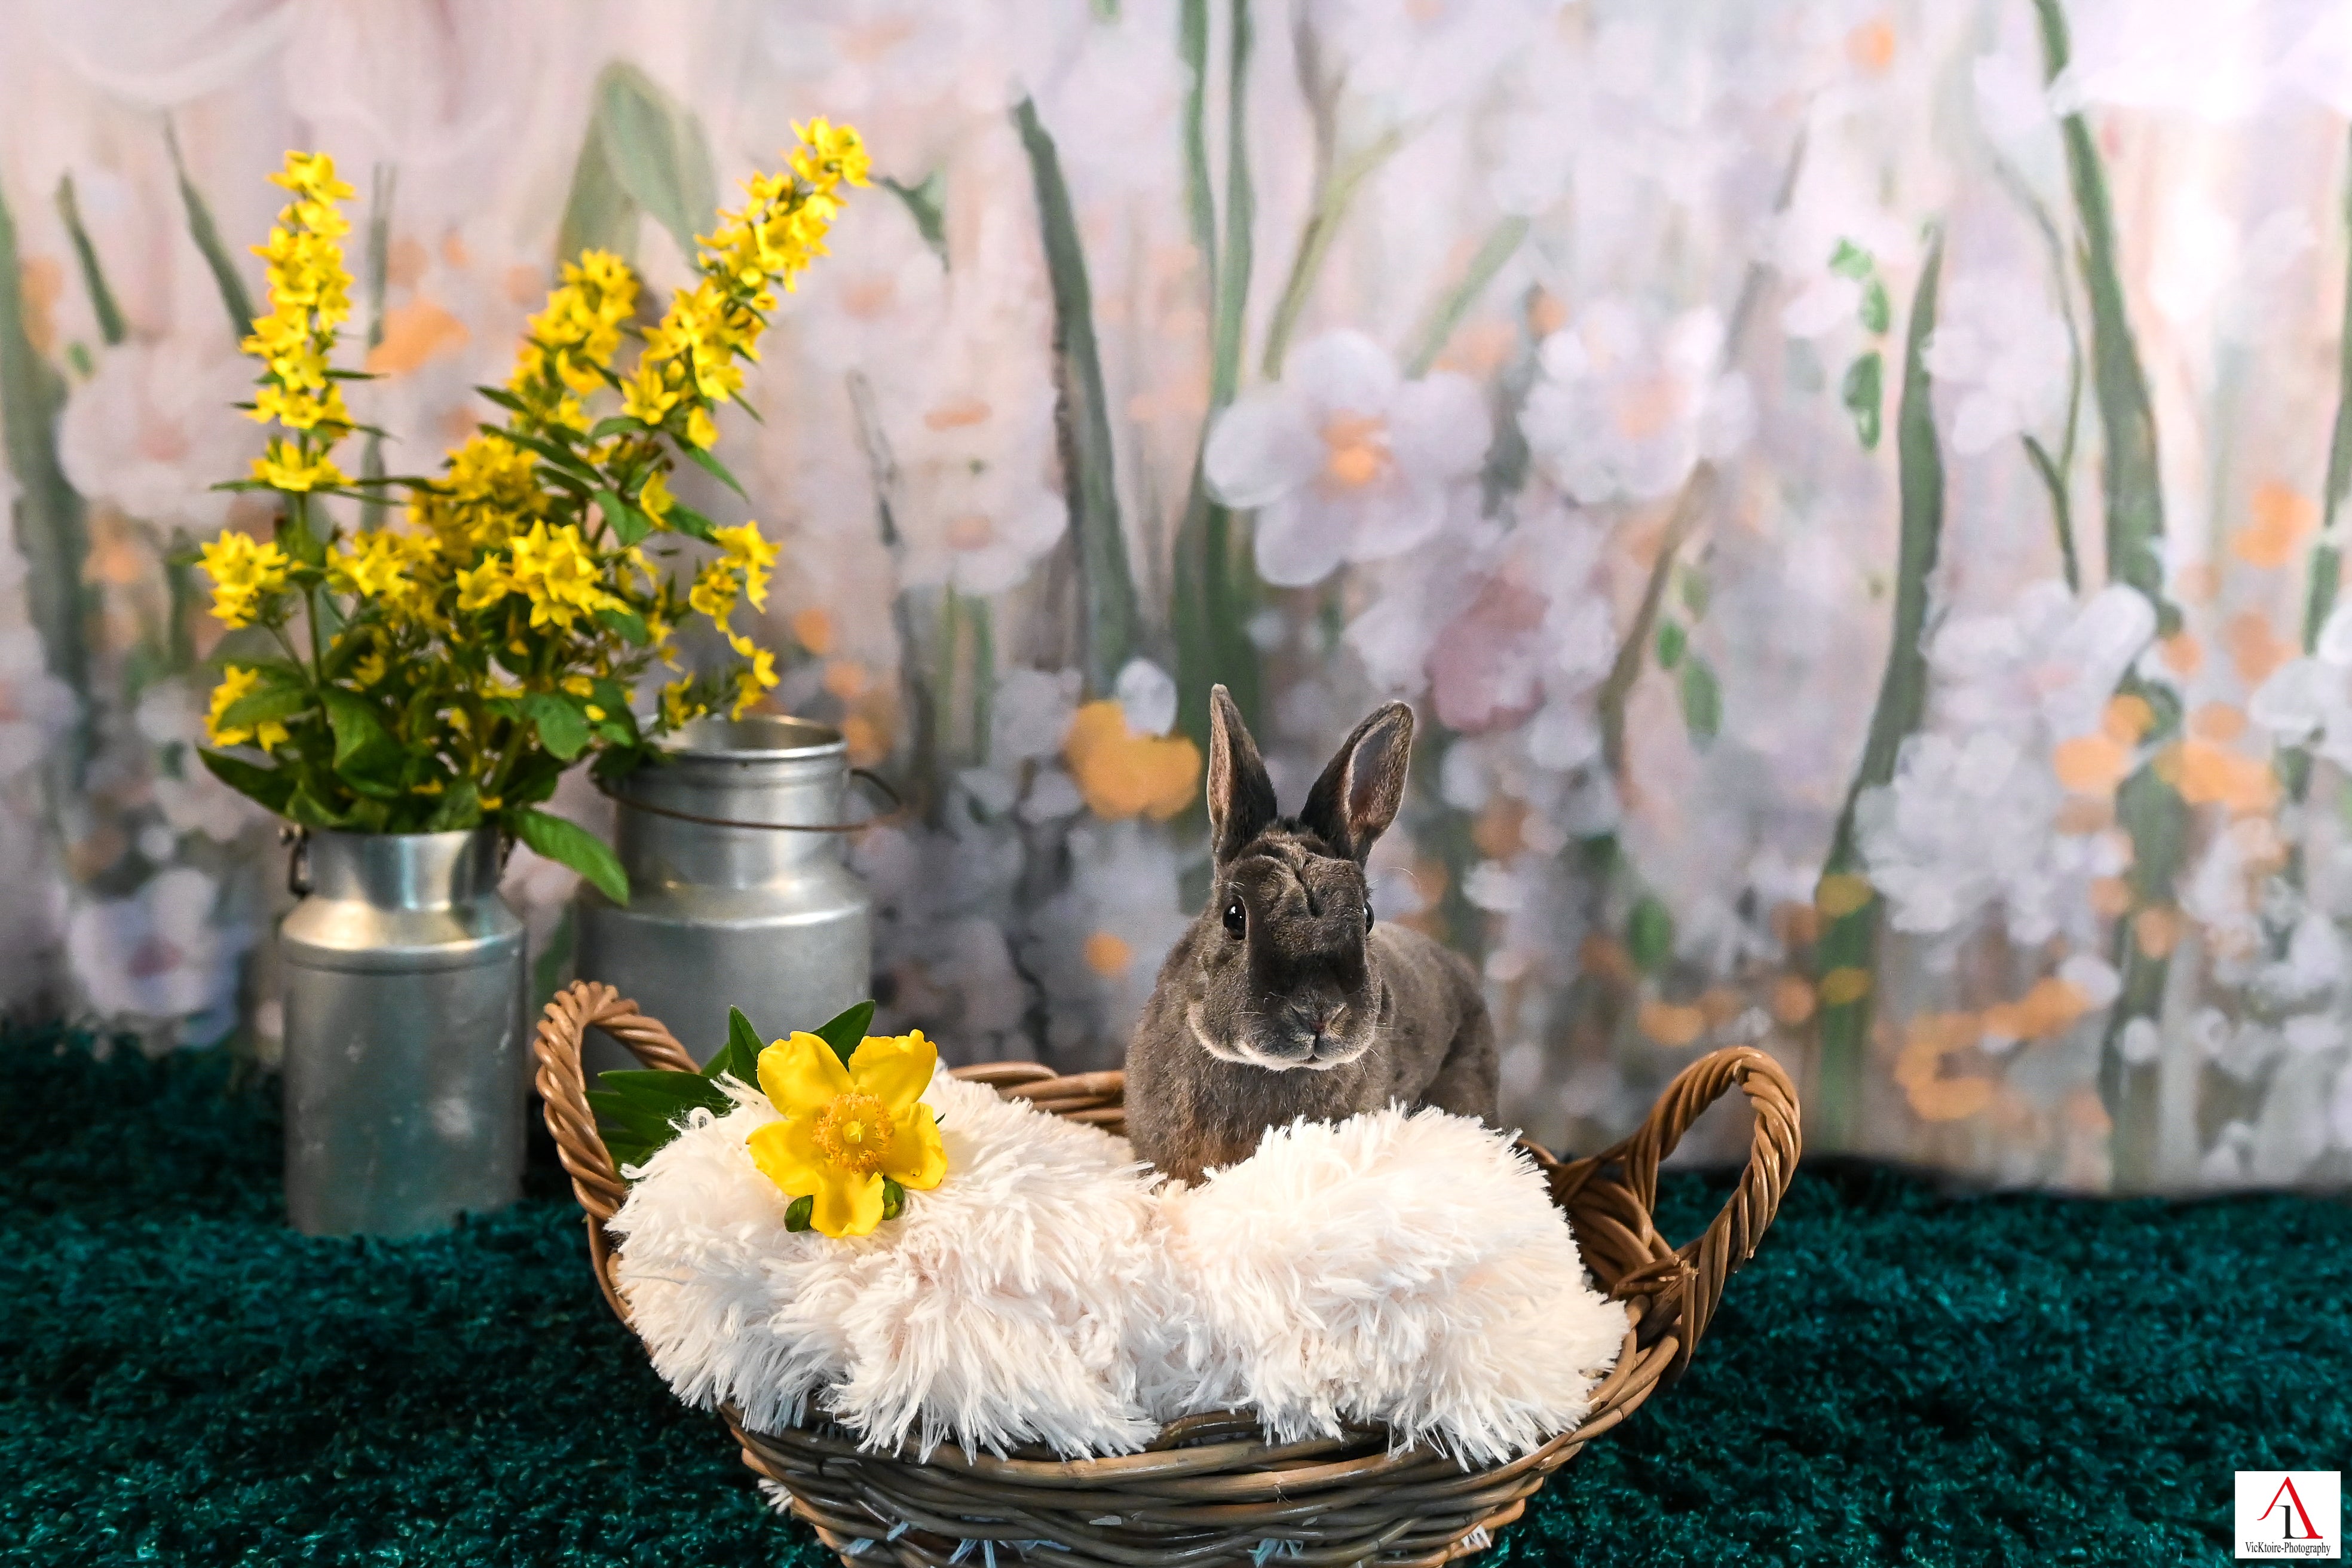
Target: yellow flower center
855,1131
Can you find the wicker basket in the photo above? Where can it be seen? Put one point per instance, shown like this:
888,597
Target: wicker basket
1208,1491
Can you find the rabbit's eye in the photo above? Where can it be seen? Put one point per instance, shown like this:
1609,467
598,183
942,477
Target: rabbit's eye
1368,915
1236,918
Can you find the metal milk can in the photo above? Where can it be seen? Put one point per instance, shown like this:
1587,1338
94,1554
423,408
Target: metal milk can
738,892
404,1042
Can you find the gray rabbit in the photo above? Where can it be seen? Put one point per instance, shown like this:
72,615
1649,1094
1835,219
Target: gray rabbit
1286,998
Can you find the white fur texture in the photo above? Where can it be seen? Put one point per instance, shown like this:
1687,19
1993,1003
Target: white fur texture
990,1313
1400,1269
1407,1269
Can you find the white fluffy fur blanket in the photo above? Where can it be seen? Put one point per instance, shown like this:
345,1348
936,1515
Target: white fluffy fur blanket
1407,1269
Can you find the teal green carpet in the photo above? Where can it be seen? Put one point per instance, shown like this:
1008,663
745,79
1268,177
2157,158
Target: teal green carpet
1899,1377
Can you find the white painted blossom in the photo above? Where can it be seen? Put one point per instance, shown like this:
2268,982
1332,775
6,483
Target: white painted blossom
152,430
160,956
1628,404
1999,356
1343,458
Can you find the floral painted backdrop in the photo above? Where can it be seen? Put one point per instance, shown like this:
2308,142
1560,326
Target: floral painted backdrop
1854,491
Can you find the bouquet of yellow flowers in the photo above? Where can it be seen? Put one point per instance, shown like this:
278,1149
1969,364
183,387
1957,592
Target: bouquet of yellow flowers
442,674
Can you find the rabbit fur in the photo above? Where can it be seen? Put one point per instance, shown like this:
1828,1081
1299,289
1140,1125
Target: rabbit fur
1287,998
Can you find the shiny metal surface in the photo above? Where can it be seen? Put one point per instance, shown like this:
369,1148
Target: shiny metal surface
404,1042
770,922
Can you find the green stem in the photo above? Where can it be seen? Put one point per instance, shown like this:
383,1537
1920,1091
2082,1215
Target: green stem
207,234
1109,620
2053,474
2151,811
93,276
1199,207
1849,940
1501,243
1333,197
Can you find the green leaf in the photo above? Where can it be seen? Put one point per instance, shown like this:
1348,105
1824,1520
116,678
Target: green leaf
613,425
741,1054
305,807
713,467
367,758
103,304
631,626
50,525
1110,622
569,843
692,523
503,398
460,806
894,1197
1672,640
629,525
562,728
656,153
1696,590
664,1090
927,204
598,213
1862,393
272,788
1849,942
1850,260
798,1216
264,703
846,1032
1702,696
1877,313
207,234
1650,933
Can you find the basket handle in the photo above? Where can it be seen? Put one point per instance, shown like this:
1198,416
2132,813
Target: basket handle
1692,1277
564,1084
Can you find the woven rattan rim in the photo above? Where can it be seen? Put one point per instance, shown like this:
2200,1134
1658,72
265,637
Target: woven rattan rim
1209,1493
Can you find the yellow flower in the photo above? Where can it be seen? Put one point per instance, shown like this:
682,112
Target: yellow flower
311,175
556,572
713,593
677,708
749,553
374,565
655,500
368,668
647,394
829,154
750,683
478,587
700,428
235,685
846,1128
299,410
243,571
286,468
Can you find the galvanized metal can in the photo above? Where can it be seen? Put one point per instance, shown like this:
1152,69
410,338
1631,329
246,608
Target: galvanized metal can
739,895
404,1046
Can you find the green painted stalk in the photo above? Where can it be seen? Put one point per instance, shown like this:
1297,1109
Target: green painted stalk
2150,811
882,465
2135,497
1215,590
50,527
1850,932
379,277
2327,555
1502,243
235,298
93,276
1108,618
1200,205
1332,201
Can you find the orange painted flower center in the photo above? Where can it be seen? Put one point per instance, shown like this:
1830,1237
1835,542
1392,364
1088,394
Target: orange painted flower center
855,1131
1355,449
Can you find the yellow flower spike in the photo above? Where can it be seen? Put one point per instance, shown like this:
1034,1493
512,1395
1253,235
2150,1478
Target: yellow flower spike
244,571
237,683
844,1129
286,468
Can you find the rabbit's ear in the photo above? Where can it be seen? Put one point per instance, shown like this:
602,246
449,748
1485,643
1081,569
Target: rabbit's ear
1357,795
1241,797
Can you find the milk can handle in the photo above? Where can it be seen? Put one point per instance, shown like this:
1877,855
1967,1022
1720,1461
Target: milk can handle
297,838
865,775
